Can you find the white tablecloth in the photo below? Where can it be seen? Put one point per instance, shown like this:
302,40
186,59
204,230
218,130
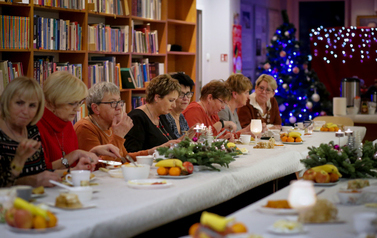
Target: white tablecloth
123,212
364,118
258,222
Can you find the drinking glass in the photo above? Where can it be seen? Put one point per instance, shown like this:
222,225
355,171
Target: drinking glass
256,128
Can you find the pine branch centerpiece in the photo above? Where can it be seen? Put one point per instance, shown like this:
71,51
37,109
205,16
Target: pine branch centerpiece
201,153
349,164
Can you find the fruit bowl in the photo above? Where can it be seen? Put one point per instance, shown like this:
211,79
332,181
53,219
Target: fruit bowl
349,196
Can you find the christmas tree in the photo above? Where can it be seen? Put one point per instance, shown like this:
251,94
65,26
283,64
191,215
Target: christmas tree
300,94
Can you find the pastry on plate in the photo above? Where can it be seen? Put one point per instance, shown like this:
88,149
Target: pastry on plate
68,200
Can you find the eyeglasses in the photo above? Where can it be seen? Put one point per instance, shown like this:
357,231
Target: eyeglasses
221,101
77,104
113,104
261,89
188,95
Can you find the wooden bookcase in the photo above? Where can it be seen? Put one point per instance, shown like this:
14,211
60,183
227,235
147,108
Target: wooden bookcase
177,26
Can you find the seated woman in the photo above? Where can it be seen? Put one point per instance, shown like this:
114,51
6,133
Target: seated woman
177,121
214,96
239,87
106,122
150,129
64,94
262,104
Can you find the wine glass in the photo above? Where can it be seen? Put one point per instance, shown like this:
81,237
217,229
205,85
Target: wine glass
256,127
302,195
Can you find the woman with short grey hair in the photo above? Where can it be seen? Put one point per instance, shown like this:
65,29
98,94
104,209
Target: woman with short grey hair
106,123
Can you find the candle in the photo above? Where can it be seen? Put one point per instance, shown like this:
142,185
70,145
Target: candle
301,194
339,134
349,132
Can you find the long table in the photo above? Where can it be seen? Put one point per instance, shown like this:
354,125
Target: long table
125,212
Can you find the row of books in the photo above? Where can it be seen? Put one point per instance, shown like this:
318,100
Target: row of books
69,4
118,7
144,72
80,114
102,37
56,34
145,40
138,101
44,67
9,71
103,69
147,9
14,32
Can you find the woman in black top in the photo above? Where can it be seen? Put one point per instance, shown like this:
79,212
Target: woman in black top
150,130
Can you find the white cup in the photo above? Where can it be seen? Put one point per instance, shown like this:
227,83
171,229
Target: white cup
245,139
286,128
299,125
131,172
145,159
371,110
77,176
363,222
84,193
23,191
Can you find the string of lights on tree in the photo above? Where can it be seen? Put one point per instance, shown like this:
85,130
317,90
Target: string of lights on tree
300,94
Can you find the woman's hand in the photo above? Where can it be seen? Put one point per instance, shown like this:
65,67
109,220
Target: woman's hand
171,142
85,163
25,150
122,124
42,179
264,127
229,137
91,158
275,127
106,150
231,126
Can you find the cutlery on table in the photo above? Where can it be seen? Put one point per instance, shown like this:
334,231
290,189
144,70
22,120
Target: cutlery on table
129,158
110,162
60,185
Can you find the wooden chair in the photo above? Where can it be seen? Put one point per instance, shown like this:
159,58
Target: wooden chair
345,121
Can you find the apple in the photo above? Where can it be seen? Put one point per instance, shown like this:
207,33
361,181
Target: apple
23,219
188,166
9,216
322,177
309,175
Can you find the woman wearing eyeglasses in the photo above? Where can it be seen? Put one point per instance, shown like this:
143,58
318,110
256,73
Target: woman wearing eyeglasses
213,99
64,95
177,121
106,122
262,104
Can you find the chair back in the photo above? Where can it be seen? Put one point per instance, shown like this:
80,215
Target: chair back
345,121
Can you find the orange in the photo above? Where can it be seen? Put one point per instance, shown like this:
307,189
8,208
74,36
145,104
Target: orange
39,222
193,229
333,177
331,129
238,228
53,219
162,171
175,171
323,128
326,129
336,128
284,139
291,139
298,139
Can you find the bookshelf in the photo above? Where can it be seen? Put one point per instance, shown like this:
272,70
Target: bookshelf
174,25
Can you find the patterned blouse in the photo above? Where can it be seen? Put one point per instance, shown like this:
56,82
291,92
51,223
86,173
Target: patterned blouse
33,165
182,123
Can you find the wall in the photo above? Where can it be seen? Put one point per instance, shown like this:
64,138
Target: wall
362,8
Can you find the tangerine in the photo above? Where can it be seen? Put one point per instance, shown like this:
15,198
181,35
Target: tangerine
238,228
323,128
53,219
291,139
39,222
284,139
326,129
175,171
193,229
162,171
331,129
298,139
333,177
336,128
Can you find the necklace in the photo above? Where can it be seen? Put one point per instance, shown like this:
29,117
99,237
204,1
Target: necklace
61,145
11,131
95,123
160,127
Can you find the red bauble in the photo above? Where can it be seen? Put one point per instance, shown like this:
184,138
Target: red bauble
283,53
296,70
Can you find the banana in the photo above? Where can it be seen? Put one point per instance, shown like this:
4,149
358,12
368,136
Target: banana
37,211
329,168
170,163
230,144
214,221
294,134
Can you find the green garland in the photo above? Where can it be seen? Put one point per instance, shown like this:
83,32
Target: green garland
349,165
201,154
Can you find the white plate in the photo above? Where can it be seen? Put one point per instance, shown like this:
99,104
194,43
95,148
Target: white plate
293,143
325,131
38,195
148,183
173,177
35,231
326,184
277,211
273,230
84,206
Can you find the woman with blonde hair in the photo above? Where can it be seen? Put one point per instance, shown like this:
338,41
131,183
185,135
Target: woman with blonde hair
21,154
150,129
262,104
239,87
64,95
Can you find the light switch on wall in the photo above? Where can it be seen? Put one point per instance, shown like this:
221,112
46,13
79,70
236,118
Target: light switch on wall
208,56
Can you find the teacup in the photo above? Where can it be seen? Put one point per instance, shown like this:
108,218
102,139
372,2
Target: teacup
146,159
131,172
23,191
77,176
245,139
